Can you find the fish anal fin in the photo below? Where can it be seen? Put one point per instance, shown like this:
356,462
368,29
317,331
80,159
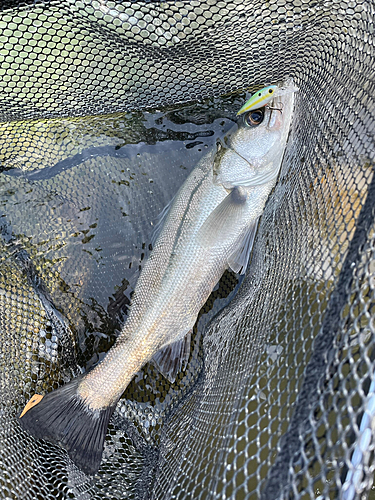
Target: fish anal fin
239,258
173,358
63,418
159,224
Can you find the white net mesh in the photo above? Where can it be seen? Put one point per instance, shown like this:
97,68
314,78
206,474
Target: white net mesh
277,399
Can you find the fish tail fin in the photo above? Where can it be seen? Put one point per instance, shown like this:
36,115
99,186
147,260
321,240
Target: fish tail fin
62,417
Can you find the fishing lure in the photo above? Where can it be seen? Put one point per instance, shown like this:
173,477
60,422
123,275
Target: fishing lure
259,99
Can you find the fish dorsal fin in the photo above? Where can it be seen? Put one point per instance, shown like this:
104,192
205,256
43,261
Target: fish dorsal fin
224,220
159,224
172,358
239,259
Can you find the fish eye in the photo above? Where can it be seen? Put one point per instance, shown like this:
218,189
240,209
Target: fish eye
270,91
254,118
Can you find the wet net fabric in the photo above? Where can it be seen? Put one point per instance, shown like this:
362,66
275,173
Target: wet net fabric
105,108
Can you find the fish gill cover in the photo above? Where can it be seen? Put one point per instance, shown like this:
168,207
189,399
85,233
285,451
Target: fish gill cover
105,108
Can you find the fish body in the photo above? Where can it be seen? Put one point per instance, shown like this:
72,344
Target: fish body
208,227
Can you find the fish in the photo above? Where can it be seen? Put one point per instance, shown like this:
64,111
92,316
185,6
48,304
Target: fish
209,226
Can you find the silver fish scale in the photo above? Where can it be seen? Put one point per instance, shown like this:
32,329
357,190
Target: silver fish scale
204,226
276,401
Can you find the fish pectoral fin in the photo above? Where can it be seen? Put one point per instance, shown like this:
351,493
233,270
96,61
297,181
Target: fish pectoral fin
173,358
159,224
221,225
239,258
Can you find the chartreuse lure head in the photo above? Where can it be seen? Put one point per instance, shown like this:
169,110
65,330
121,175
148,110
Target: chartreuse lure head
259,99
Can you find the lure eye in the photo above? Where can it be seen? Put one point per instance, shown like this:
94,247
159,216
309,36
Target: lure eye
254,118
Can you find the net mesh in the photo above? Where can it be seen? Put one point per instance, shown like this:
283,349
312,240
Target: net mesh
105,108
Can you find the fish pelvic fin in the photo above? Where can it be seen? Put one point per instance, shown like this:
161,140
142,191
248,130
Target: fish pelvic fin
240,256
63,418
173,358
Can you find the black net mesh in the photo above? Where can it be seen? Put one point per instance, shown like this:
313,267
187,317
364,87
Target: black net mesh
105,108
